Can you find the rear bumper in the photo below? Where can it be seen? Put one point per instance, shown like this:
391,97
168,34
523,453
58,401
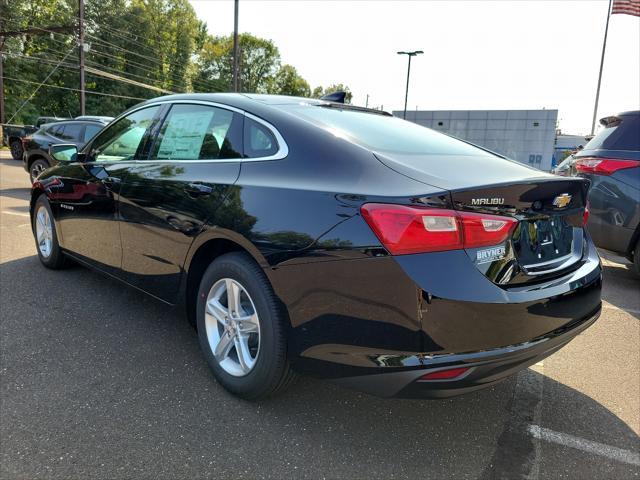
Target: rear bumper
486,368
378,324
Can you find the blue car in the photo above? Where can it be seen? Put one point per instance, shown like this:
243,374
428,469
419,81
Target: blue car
611,160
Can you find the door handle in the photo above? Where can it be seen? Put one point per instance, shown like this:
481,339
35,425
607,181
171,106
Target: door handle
198,189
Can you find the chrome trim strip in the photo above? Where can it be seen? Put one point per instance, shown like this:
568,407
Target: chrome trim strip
283,148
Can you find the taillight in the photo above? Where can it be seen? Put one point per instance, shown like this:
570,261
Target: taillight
603,166
403,229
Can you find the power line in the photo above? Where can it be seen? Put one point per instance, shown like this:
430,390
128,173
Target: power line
174,77
38,87
113,70
75,89
99,40
112,76
42,60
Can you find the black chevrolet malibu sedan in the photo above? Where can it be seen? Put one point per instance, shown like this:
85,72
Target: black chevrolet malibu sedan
310,236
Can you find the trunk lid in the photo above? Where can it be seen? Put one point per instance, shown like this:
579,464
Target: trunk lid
548,239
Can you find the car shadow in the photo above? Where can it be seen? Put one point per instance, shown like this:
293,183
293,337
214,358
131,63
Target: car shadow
99,380
18,193
621,286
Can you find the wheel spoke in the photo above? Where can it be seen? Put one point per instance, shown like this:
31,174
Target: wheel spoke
224,346
233,296
244,356
41,235
215,309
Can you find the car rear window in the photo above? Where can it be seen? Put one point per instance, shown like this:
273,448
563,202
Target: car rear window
384,133
621,133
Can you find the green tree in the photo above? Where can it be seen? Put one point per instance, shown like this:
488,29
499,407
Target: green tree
259,62
286,81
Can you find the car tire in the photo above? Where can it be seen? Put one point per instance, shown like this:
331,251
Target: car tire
44,233
37,167
16,149
270,372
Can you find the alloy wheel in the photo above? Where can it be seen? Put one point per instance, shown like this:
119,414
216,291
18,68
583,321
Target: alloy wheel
232,327
44,231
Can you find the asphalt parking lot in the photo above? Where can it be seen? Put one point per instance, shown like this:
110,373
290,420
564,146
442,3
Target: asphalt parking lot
100,381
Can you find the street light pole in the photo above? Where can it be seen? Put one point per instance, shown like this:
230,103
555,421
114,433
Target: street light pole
406,93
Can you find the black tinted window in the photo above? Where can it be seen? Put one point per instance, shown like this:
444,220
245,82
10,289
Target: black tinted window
198,132
384,133
71,132
56,130
622,133
90,132
258,140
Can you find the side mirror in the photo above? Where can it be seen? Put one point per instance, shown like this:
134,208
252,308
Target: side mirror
66,153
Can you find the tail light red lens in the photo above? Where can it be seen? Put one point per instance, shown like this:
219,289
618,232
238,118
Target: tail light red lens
449,374
604,166
403,229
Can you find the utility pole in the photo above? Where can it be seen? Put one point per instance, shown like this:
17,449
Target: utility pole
366,103
235,46
81,53
406,93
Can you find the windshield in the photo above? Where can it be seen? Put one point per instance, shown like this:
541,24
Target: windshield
384,133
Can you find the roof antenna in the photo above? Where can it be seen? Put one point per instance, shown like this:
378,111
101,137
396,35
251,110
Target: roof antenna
336,97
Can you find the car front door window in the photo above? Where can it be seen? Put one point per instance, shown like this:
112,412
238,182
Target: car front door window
122,140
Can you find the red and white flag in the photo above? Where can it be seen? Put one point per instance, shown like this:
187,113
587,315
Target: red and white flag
629,7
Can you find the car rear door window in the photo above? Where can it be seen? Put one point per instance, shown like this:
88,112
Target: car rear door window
259,142
56,131
71,132
122,139
199,132
90,132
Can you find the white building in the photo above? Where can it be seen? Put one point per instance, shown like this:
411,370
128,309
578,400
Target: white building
527,136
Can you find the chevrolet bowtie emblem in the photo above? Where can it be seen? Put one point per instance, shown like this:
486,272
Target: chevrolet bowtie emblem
562,201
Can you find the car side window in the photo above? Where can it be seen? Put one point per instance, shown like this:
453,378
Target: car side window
71,132
90,132
121,140
56,130
258,140
199,132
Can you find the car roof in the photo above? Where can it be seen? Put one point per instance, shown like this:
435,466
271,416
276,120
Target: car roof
83,121
247,100
97,118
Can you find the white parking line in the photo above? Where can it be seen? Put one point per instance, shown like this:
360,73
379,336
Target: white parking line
538,390
17,214
614,453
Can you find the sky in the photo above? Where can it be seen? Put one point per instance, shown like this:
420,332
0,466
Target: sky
505,54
